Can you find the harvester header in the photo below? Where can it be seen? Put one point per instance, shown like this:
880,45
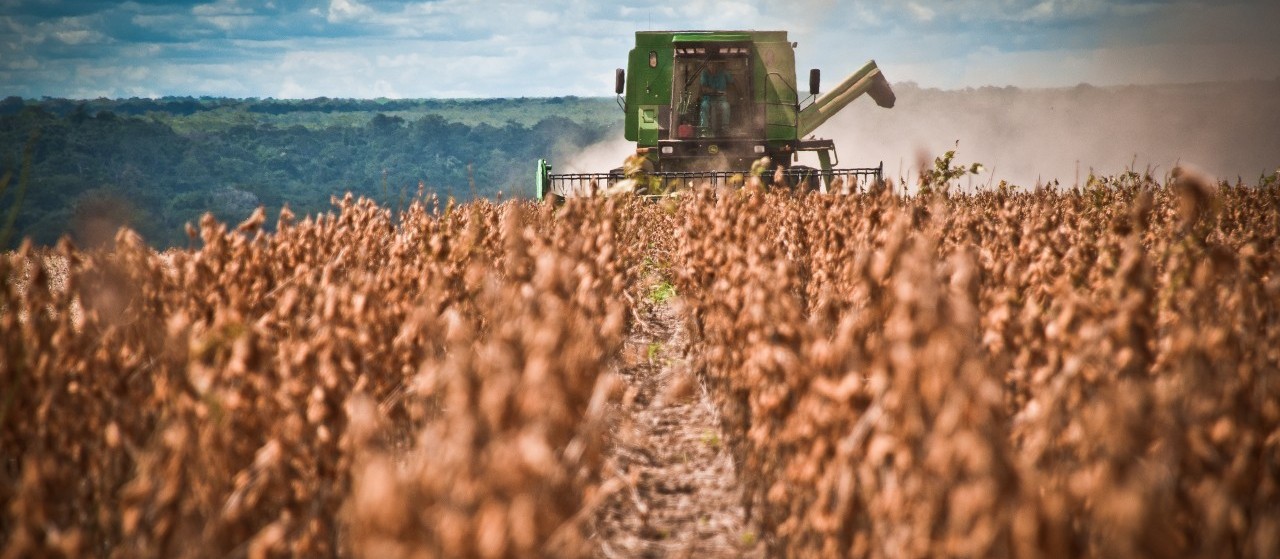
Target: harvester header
711,105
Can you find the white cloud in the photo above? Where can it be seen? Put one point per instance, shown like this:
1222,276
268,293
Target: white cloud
159,21
227,23
381,88
77,36
347,10
563,47
398,60
290,89
1039,12
226,15
920,13
221,8
25,63
1027,11
540,18
713,14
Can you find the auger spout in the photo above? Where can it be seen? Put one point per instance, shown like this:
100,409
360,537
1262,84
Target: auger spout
867,79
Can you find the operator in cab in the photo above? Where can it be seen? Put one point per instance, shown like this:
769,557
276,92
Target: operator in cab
715,102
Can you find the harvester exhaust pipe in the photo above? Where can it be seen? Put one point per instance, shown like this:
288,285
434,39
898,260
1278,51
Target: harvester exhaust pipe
867,79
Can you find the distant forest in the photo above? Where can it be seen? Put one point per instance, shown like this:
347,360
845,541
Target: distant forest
157,164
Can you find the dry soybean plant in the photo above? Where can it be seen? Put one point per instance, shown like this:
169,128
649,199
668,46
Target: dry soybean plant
1087,373
1062,373
358,383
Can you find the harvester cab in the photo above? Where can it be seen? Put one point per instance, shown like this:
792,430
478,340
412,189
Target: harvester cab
710,106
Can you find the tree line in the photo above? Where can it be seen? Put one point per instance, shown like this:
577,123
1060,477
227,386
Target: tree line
156,165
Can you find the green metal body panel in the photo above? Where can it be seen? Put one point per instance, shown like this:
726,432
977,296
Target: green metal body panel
648,125
824,162
647,87
773,77
775,70
541,181
713,37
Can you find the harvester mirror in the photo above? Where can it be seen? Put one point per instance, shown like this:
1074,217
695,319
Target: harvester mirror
815,77
619,80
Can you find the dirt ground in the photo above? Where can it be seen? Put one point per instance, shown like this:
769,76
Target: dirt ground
681,497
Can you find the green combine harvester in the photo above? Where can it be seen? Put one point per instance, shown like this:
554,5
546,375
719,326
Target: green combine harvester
709,106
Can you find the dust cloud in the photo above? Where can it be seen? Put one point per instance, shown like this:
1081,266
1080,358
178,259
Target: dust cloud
600,157
1036,136
1030,136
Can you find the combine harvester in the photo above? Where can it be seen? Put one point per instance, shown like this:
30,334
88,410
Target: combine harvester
710,106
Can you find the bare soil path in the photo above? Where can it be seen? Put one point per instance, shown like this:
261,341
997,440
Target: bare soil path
681,496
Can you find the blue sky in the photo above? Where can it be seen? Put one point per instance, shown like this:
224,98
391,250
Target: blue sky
455,48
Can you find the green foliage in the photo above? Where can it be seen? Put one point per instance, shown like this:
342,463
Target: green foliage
6,230
15,202
711,438
662,292
944,172
652,352
1270,180
158,164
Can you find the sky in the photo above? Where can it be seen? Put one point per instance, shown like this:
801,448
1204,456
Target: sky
500,48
